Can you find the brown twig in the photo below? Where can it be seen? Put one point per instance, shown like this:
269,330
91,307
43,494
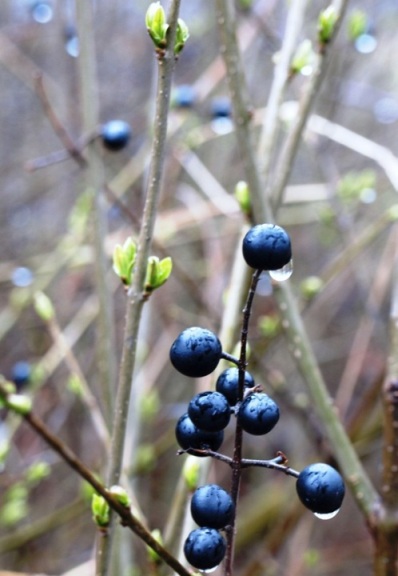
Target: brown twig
126,516
56,124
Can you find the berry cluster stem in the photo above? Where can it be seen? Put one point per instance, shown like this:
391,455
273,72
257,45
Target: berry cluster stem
237,456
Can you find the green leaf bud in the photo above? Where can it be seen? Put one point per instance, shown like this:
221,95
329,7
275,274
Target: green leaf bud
19,404
311,286
326,24
43,306
152,555
121,495
155,20
158,271
303,57
100,510
242,194
357,24
37,472
124,260
182,35
191,472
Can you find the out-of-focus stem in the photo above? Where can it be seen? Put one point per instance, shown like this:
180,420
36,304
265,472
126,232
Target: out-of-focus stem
94,181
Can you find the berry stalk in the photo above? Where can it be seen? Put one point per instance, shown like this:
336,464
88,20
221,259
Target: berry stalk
237,456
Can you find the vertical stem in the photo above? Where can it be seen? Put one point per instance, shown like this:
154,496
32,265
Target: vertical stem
94,181
237,456
136,297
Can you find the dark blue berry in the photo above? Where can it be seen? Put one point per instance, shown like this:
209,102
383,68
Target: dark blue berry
258,414
184,96
204,548
221,107
209,411
115,135
267,247
212,506
228,384
196,352
320,488
190,436
21,373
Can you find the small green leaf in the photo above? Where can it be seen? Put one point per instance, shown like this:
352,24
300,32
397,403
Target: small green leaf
158,271
155,20
124,260
75,386
182,35
311,286
100,510
326,24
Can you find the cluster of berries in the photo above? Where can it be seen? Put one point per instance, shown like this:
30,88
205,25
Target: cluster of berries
195,353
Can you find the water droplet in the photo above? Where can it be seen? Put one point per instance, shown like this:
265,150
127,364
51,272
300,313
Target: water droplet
365,44
283,273
209,570
22,277
368,195
72,46
327,516
222,125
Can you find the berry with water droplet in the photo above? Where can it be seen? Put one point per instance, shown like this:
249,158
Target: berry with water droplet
320,488
204,548
212,506
209,411
196,352
267,247
228,384
115,135
190,436
258,414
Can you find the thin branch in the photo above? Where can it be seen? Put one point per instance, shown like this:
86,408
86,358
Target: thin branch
294,24
57,125
126,516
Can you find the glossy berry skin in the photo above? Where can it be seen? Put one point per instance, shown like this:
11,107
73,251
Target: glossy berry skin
190,436
196,352
258,414
320,488
228,384
209,411
267,247
212,506
115,135
204,548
